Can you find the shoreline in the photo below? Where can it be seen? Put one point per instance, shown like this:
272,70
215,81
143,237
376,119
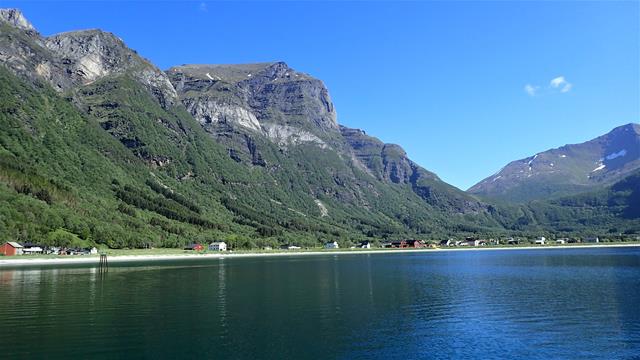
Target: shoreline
21,261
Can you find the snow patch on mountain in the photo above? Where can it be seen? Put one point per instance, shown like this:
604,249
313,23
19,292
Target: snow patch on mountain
602,166
618,154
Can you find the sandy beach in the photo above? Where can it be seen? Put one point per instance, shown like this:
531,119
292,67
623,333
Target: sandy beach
25,260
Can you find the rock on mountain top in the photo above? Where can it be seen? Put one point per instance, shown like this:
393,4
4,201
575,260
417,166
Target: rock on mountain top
236,73
15,18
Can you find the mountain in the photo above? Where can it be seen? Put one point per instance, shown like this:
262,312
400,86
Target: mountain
97,144
266,113
570,169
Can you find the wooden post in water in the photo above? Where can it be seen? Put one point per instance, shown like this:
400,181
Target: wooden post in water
104,263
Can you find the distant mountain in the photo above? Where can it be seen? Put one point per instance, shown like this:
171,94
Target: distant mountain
570,169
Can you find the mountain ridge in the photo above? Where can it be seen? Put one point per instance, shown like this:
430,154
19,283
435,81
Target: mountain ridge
568,169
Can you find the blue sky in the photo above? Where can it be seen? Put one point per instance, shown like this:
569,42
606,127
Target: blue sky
464,87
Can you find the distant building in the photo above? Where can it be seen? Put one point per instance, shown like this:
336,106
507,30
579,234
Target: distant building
447,243
561,241
476,242
403,244
540,241
32,250
512,241
218,246
289,247
93,251
11,249
365,245
592,239
194,247
332,245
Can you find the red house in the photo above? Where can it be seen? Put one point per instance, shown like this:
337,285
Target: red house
11,248
407,244
194,247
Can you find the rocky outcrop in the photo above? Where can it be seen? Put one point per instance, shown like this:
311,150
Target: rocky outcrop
74,59
285,136
210,111
258,94
270,101
90,55
15,18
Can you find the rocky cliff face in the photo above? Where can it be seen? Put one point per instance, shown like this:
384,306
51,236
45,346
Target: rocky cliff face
74,59
390,163
257,95
15,18
274,105
568,169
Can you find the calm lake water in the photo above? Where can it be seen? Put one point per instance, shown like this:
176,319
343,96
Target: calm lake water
540,304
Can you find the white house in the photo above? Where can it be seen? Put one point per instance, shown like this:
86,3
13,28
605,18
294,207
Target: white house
331,245
592,239
93,251
365,245
32,250
561,241
540,241
476,242
218,246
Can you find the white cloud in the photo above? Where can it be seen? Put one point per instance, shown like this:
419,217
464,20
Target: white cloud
531,89
560,83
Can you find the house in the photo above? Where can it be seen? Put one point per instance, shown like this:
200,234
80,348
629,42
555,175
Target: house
289,247
476,242
218,246
540,241
93,251
332,245
11,248
194,247
32,250
365,245
447,243
592,239
403,244
512,241
561,241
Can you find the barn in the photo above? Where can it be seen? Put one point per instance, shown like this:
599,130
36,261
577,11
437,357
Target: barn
11,248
